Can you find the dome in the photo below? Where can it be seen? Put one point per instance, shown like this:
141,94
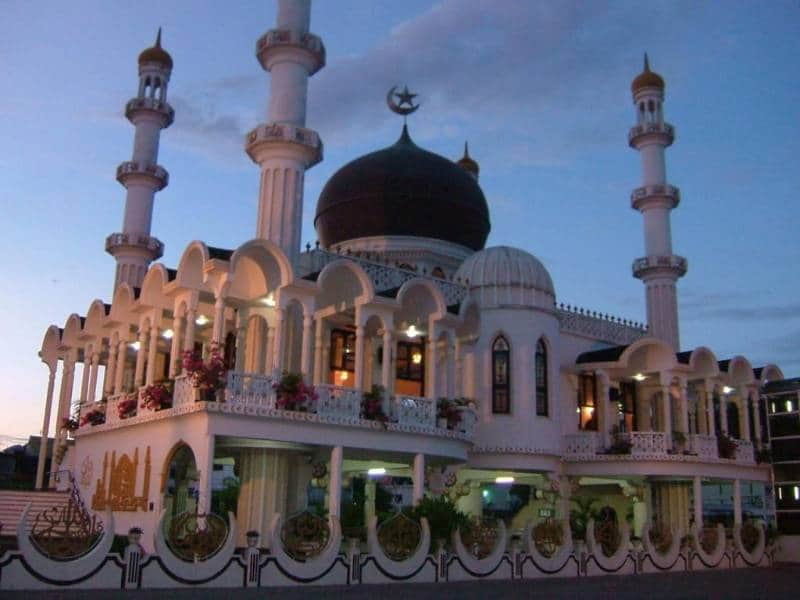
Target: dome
156,54
467,163
403,190
504,276
647,78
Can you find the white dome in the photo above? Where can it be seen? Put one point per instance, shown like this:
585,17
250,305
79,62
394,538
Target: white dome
504,276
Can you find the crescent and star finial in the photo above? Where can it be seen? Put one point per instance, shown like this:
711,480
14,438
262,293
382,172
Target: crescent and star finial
405,105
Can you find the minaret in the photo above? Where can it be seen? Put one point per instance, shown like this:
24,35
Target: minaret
134,248
283,147
660,268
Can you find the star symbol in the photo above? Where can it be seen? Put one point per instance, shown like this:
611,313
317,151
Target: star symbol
405,97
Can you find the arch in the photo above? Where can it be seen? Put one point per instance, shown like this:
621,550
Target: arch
541,377
152,292
190,267
95,318
50,345
770,372
648,355
740,371
122,303
341,283
501,374
168,460
703,363
259,267
72,331
419,298
470,317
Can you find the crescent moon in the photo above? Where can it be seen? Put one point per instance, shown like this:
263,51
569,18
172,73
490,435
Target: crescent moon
393,106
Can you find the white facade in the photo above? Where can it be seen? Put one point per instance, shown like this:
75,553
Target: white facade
562,400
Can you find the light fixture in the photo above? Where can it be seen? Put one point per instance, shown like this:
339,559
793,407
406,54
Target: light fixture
726,389
640,377
167,334
578,410
416,357
269,300
485,493
201,320
780,493
789,406
136,345
796,493
343,375
504,480
412,331
376,471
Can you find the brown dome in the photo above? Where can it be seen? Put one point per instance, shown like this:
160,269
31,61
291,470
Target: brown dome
647,78
156,54
467,163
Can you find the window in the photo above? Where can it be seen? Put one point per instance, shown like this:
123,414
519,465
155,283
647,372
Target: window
626,406
587,392
541,379
343,356
410,361
501,376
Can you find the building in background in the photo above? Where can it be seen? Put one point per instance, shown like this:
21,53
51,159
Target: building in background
782,399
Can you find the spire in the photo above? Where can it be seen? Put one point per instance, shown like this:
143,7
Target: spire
158,43
156,54
466,149
646,60
467,163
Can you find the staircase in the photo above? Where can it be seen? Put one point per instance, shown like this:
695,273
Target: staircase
12,503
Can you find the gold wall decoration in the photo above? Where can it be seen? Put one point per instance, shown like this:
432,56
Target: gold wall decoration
116,489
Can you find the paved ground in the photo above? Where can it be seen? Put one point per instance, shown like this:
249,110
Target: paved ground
779,582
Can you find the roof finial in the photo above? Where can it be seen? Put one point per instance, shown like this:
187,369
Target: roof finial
646,63
466,149
158,38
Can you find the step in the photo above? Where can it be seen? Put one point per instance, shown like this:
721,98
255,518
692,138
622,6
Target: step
13,502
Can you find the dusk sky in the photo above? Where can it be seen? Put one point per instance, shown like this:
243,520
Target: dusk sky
541,90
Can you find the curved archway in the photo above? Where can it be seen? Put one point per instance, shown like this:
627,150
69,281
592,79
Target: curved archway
179,480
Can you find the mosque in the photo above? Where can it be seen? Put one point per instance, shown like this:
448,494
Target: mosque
399,354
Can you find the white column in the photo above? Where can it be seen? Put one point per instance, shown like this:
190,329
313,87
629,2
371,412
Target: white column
756,416
737,502
602,404
140,356
430,364
305,348
450,367
218,331
458,387
67,382
175,358
48,406
697,488
95,366
205,465
723,414
119,370
111,368
666,413
269,352
188,337
386,361
684,408
359,360
277,340
744,422
152,355
242,318
318,341
335,483
708,395
419,478
87,367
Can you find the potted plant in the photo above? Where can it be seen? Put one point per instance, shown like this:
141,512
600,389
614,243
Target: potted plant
448,413
292,393
157,396
443,517
96,416
70,423
372,405
619,444
679,441
126,407
206,376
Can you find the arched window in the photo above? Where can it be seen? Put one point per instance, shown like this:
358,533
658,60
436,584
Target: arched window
501,376
541,379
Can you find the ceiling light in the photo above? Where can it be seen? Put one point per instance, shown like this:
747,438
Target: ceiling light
376,471
167,334
412,331
726,389
201,320
269,300
504,480
416,357
640,377
343,375
136,345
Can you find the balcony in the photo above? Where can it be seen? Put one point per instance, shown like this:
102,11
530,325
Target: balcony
649,195
118,241
152,105
253,396
154,174
662,133
311,45
658,265
305,141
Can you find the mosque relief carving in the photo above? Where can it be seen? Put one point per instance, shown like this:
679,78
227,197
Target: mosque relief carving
116,488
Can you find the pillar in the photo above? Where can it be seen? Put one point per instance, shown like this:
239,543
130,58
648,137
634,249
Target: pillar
218,331
450,392
241,338
697,490
277,340
140,356
708,395
191,322
305,347
387,381
152,355
744,422
737,502
418,476
175,351
67,382
95,366
269,351
756,416
48,406
119,370
111,368
723,413
87,367
318,341
359,360
666,413
335,483
204,455
458,386
430,364
684,408
601,407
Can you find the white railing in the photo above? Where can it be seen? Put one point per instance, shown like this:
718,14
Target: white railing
647,443
250,388
183,392
745,451
413,410
469,419
585,443
338,401
704,446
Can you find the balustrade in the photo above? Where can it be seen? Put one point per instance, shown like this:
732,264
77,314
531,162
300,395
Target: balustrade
585,443
250,388
647,443
704,446
413,410
744,451
338,401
